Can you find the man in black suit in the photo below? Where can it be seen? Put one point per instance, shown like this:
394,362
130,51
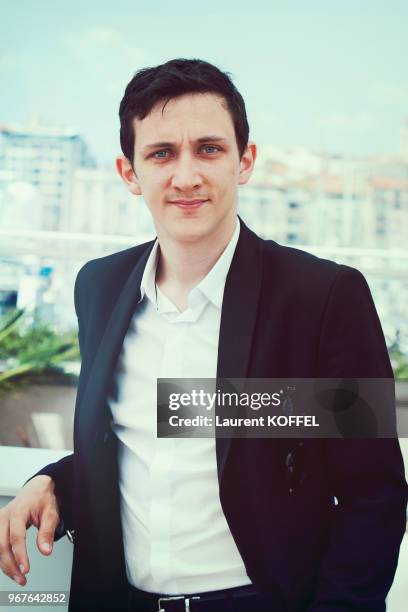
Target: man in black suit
212,525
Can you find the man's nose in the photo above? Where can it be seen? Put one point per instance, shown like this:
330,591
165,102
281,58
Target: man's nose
186,174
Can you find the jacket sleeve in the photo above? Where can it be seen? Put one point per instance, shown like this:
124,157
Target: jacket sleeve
62,474
62,471
365,475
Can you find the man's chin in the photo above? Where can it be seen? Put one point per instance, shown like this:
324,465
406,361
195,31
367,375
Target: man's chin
191,230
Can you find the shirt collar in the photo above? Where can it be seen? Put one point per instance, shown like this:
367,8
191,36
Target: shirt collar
211,286
148,283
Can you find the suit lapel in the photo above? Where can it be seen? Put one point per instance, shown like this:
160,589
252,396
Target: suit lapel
238,318
100,378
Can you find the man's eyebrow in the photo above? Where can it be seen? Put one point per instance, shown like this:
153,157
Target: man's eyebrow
163,144
156,145
211,139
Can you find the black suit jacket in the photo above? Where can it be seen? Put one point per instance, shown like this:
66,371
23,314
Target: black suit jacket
285,313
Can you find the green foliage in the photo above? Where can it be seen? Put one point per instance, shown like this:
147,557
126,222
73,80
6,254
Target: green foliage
399,363
399,360
29,349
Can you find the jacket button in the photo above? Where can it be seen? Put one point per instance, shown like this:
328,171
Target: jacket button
289,462
71,535
101,437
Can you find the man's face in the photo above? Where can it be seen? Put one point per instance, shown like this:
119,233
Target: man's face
187,167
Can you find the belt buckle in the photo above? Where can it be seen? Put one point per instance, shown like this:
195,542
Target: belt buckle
174,597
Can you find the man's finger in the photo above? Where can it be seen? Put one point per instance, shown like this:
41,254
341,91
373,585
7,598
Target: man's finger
8,563
45,536
18,531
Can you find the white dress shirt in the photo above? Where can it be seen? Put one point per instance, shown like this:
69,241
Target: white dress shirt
176,537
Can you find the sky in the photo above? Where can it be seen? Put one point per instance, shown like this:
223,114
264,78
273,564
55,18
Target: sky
327,75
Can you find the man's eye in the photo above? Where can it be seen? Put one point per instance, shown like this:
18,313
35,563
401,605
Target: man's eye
211,149
160,154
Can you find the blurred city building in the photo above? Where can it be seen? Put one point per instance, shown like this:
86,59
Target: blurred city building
300,197
102,205
37,164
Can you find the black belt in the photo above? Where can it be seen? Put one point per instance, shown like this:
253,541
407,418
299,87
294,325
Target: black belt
242,598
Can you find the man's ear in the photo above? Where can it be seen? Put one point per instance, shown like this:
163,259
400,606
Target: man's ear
128,175
246,165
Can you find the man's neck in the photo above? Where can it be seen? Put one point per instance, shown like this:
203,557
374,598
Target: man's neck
182,266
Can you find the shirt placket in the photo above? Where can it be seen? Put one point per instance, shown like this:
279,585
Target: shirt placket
161,473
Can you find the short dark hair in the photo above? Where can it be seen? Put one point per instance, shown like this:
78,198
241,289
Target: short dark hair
171,80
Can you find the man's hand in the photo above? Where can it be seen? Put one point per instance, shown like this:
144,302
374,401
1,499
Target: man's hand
37,505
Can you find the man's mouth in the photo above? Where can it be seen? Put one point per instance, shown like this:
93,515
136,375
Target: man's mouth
189,203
